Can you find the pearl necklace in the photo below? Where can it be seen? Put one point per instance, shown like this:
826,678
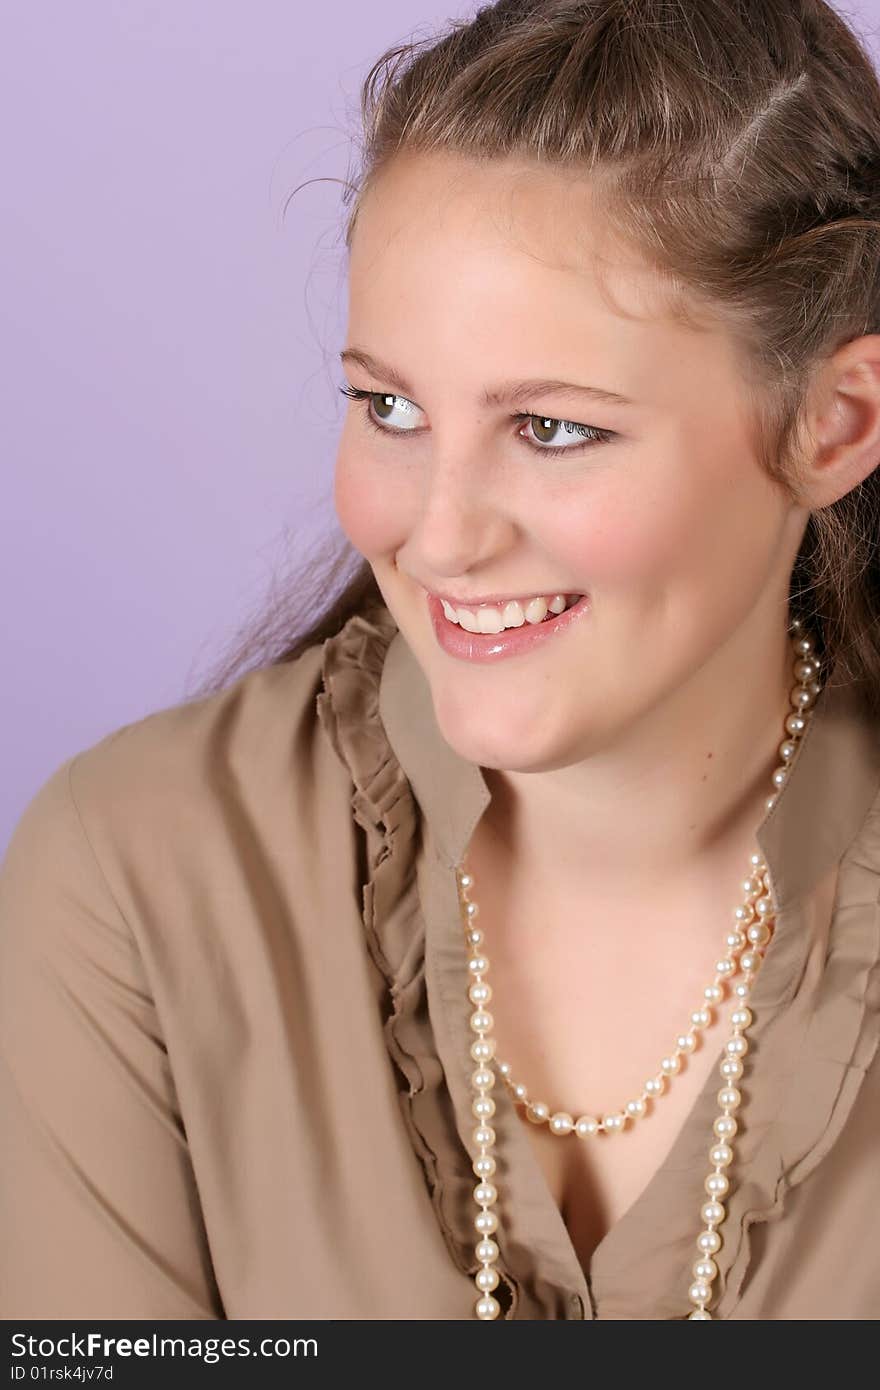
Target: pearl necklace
744,948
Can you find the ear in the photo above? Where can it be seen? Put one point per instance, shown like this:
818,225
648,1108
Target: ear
843,423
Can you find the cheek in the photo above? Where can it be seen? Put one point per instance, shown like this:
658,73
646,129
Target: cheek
370,509
686,523
623,537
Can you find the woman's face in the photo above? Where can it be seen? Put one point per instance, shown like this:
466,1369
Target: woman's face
463,278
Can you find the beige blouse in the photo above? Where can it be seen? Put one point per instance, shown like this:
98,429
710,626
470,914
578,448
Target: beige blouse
234,1066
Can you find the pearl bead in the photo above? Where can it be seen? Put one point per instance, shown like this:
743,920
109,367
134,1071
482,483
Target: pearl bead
699,1291
483,1050
475,936
483,1107
485,1193
705,1269
486,1222
795,724
729,1098
483,1078
701,1314
487,1307
655,1086
486,1251
520,1092
701,1018
742,989
725,966
613,1123
561,1123
731,1069
487,1280
478,965
480,994
587,1124
750,961
670,1066
466,880
758,933
711,1213
721,1155
764,906
481,1021
735,940
725,1126
537,1112
713,994
741,1018
484,1166
484,1136
709,1242
752,886
808,667
686,1042
736,1047
636,1108
717,1184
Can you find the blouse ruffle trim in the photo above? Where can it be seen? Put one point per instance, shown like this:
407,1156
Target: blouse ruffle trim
384,807
832,1050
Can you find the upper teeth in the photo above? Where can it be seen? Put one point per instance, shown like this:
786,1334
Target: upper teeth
512,614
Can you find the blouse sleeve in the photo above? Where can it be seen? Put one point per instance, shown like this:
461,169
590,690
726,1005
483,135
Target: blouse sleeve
99,1209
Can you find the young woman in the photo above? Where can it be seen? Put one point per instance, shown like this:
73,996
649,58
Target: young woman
506,945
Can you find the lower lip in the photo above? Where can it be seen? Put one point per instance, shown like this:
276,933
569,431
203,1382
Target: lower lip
495,646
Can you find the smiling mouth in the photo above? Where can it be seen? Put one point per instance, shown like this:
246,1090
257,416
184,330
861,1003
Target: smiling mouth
491,647
491,619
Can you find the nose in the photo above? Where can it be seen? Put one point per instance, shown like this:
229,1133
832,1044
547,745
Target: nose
464,516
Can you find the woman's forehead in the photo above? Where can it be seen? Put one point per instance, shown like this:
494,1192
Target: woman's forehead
474,233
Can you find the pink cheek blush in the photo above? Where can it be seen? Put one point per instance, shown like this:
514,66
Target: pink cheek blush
371,516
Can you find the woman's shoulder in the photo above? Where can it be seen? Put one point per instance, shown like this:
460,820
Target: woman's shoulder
270,742
191,755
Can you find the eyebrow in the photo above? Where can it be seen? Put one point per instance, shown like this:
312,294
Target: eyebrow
506,393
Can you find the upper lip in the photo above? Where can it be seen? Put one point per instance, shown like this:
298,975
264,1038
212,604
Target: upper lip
498,598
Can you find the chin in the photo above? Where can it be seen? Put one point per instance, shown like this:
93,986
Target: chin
491,742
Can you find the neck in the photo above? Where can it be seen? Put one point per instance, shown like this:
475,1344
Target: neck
683,792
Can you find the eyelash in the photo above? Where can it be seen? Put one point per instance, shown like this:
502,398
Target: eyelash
592,433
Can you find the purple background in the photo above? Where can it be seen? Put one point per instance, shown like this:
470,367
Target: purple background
168,406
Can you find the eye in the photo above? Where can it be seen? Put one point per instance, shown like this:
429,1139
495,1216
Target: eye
546,422
390,402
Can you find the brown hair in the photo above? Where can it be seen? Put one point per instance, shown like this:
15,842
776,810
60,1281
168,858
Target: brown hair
738,145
